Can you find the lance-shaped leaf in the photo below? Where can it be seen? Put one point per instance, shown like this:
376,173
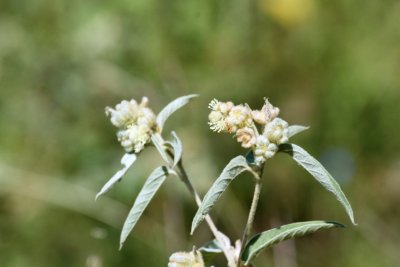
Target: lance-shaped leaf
171,108
160,146
150,187
319,173
176,145
268,238
127,160
295,129
235,167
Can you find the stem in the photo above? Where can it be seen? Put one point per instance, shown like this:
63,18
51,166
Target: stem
185,179
252,213
181,172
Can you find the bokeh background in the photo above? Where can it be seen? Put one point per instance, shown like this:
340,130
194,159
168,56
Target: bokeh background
333,65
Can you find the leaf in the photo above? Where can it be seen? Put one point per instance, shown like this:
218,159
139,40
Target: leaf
150,187
159,144
211,247
127,160
235,167
319,173
177,147
273,236
295,129
209,251
171,108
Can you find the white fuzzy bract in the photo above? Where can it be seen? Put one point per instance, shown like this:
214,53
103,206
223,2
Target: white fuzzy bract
135,122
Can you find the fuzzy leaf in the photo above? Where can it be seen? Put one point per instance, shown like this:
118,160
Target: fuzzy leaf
171,108
273,236
150,187
295,129
235,167
319,173
127,160
160,146
176,145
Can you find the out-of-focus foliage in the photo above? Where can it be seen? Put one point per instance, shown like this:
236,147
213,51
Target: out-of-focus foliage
332,65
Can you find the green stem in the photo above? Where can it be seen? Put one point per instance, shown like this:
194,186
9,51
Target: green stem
252,213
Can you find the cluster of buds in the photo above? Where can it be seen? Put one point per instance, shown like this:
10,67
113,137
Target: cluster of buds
135,122
244,122
186,259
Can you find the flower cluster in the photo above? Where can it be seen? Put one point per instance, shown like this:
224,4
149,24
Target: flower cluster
244,122
186,259
136,123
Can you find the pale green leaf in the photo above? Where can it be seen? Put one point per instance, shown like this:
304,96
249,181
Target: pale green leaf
160,146
319,173
178,148
127,161
211,247
150,187
235,167
209,251
171,108
268,238
295,129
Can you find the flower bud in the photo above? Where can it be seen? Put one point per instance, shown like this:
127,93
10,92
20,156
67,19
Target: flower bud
239,116
186,259
264,149
270,112
277,131
246,136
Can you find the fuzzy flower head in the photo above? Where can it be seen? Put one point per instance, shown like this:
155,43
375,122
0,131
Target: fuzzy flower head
246,123
186,259
226,117
218,115
277,131
239,117
136,123
246,137
264,149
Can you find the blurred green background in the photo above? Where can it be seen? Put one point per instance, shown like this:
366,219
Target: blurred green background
333,65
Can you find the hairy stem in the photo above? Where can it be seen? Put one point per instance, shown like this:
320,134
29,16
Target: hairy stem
184,177
252,213
181,172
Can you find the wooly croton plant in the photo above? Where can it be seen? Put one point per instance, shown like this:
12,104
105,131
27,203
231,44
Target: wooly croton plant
262,132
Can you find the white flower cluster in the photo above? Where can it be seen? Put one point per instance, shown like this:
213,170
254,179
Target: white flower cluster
186,259
136,123
242,121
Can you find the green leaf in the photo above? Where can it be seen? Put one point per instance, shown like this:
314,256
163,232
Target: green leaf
150,187
319,173
273,236
176,145
127,160
235,167
295,129
171,108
